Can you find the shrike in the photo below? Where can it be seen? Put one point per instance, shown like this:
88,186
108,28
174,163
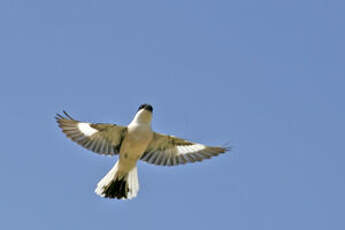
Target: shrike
133,142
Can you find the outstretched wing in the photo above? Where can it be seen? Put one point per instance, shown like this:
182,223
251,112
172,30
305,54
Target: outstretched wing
99,138
170,150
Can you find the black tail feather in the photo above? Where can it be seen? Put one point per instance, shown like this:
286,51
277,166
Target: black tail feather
118,188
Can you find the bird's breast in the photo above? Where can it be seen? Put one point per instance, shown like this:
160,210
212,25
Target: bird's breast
139,133
136,141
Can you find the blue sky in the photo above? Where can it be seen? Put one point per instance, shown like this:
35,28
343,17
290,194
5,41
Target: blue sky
266,76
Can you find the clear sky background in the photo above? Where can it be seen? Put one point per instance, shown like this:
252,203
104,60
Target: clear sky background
266,76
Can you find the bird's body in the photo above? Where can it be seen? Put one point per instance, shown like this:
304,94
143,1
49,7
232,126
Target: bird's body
133,142
139,135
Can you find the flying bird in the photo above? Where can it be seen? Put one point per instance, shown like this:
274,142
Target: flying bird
134,142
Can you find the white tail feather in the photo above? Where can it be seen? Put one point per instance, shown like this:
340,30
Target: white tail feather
133,183
131,180
106,180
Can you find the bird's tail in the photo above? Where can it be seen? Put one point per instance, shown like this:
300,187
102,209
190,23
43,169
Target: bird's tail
114,185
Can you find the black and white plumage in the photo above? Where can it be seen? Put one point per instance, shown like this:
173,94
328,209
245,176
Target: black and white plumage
133,142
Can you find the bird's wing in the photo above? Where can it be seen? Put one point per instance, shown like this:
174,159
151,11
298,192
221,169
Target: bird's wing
170,150
99,138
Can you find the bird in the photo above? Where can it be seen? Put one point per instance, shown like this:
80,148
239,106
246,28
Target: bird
136,141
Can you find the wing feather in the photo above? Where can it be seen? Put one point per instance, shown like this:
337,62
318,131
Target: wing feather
99,138
169,150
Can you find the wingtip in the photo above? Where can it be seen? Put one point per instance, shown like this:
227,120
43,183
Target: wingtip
67,115
227,146
58,116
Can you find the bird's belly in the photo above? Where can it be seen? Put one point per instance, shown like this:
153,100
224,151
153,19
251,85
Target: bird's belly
133,147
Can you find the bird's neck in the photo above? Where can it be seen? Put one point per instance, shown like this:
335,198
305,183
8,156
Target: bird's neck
142,117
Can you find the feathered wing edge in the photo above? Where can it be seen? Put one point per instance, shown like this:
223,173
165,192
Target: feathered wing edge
169,151
99,138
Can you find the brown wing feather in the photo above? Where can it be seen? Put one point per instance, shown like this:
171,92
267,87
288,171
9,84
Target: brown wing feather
170,150
107,140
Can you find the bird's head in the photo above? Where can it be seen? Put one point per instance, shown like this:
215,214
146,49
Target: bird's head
144,114
145,107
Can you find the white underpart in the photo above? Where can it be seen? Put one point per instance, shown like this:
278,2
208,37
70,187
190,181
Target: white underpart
86,129
189,148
